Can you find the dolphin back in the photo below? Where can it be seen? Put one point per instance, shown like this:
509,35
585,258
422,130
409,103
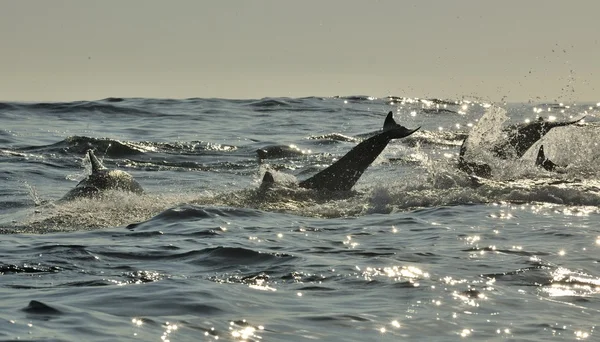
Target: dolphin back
523,136
103,179
81,192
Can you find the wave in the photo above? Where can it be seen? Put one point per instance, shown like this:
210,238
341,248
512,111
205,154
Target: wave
79,145
306,104
197,213
356,98
110,106
443,185
444,138
550,280
405,180
10,268
78,107
214,258
269,103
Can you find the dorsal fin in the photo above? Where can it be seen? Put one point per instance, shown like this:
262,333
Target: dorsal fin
541,157
544,162
96,164
268,178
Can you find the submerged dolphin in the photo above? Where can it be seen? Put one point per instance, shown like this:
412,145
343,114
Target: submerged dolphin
279,151
344,173
103,179
522,137
544,162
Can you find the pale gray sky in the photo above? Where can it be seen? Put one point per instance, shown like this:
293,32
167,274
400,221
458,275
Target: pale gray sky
86,50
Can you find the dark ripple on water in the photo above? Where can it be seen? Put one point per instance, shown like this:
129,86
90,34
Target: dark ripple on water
64,109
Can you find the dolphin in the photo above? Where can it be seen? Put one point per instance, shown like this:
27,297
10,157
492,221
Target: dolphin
103,179
344,173
521,137
280,151
544,162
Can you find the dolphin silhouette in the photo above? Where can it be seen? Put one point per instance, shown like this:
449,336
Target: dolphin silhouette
521,137
344,173
103,179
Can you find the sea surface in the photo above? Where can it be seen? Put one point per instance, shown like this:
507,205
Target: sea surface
417,251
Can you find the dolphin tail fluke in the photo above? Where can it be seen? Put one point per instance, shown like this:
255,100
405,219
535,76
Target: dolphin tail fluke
401,132
96,164
389,121
395,130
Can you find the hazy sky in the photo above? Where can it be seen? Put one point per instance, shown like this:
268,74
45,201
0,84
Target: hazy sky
85,50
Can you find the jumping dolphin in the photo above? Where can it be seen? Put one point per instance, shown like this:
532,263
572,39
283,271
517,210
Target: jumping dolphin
103,179
522,137
344,173
544,162
519,137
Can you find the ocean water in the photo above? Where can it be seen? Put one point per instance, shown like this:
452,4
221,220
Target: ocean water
418,250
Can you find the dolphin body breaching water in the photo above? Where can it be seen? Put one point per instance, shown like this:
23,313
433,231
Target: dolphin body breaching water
103,179
519,139
344,173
